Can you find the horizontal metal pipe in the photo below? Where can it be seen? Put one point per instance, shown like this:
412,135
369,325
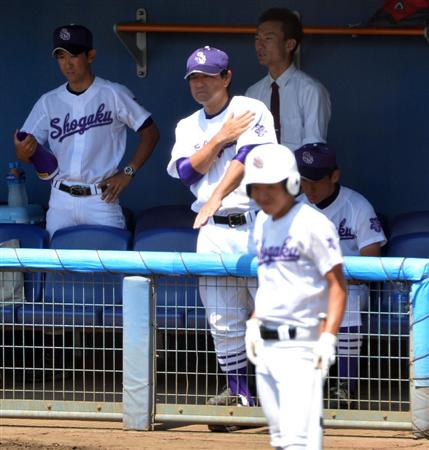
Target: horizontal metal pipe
66,415
367,424
245,29
261,421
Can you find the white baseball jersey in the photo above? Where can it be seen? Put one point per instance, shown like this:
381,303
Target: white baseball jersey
294,254
355,219
86,132
305,106
357,225
193,132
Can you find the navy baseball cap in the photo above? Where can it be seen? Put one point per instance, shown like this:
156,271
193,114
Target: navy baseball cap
315,161
74,39
207,60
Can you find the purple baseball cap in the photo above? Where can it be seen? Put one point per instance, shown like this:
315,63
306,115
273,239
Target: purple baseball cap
207,60
74,39
315,161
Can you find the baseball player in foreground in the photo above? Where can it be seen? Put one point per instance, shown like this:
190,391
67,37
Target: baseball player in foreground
84,123
299,303
360,233
208,156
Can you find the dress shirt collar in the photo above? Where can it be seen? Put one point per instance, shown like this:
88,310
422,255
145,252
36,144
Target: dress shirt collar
285,76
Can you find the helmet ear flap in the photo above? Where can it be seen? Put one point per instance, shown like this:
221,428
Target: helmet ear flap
249,190
293,184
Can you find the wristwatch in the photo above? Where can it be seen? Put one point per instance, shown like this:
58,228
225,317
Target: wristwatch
130,171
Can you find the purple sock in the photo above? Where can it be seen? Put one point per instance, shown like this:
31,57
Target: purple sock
237,382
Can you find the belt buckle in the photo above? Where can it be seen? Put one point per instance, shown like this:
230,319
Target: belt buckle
76,190
235,220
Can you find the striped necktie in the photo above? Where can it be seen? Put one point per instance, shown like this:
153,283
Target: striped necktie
275,108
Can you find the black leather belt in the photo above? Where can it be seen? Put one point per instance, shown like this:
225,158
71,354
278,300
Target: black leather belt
76,190
273,334
233,220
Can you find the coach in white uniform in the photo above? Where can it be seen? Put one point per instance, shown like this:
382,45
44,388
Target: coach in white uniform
208,156
304,106
360,233
84,122
299,303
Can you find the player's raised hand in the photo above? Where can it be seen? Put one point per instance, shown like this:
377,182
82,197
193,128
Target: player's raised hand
207,211
24,148
235,126
324,352
113,186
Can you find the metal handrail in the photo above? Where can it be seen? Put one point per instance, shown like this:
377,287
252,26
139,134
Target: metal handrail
248,29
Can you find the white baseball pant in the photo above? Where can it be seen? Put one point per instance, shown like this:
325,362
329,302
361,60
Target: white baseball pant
228,300
66,210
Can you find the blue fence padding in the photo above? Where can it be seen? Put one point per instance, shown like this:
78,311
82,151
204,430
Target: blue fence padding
165,263
420,332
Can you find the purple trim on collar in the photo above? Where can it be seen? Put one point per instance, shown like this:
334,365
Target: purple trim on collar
187,174
211,116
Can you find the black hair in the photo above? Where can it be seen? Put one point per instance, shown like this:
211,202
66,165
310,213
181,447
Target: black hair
291,25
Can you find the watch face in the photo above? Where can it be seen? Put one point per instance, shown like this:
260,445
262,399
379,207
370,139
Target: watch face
128,170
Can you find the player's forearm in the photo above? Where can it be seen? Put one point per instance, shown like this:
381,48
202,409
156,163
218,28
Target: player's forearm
204,158
149,137
371,250
336,299
230,181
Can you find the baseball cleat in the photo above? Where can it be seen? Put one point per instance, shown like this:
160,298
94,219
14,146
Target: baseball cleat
340,396
225,398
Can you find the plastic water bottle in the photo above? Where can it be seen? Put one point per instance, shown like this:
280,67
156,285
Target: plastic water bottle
17,195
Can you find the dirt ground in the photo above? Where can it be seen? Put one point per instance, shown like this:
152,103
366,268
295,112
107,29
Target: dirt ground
84,435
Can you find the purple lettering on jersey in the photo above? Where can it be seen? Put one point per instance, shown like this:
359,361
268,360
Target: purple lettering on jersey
70,127
285,252
375,224
344,232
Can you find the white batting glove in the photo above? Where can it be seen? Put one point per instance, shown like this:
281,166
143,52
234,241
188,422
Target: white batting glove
324,352
253,340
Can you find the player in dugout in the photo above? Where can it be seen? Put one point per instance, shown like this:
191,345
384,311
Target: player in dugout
361,234
84,122
300,300
208,156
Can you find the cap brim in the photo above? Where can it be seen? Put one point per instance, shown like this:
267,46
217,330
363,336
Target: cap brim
210,71
313,173
72,49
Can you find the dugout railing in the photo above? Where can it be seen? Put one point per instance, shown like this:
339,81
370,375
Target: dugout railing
147,356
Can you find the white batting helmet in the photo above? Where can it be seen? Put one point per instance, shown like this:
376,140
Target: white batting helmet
270,164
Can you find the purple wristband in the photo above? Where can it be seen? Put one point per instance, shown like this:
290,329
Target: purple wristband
243,152
188,175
